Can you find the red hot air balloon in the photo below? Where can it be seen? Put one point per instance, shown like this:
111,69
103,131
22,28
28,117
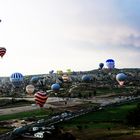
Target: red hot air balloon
40,98
2,51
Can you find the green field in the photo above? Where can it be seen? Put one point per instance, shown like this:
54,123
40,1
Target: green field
34,113
107,124
109,115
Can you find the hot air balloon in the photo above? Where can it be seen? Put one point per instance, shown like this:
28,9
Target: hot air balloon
59,79
55,87
121,77
16,79
2,51
110,63
51,71
101,65
30,89
69,71
59,72
34,80
86,78
40,98
65,78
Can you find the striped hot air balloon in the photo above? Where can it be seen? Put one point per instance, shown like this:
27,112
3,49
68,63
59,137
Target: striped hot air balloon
40,98
2,51
16,79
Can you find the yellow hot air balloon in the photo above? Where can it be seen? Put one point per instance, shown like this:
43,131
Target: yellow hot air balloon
59,72
69,71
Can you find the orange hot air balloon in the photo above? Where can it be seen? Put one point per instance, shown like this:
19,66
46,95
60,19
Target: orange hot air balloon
2,51
30,89
40,98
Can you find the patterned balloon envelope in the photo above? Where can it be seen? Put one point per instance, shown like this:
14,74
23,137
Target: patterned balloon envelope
16,79
2,51
40,98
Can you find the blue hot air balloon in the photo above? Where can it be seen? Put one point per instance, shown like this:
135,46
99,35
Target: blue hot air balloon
121,77
51,71
110,63
55,87
101,65
16,79
86,78
34,79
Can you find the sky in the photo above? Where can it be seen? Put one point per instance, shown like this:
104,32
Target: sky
44,35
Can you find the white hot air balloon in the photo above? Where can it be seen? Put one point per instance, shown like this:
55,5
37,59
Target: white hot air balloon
30,89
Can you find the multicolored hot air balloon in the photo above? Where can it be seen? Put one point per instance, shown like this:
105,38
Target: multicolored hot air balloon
65,78
40,98
101,65
55,87
30,89
110,63
121,77
2,51
16,79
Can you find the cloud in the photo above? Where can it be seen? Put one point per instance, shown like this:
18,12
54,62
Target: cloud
132,40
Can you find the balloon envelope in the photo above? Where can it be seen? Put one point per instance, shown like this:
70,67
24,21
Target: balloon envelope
55,87
2,51
40,98
34,79
59,72
86,78
110,63
30,89
16,79
69,71
51,71
65,78
121,77
101,65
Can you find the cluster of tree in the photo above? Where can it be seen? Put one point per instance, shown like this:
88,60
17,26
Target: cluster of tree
133,117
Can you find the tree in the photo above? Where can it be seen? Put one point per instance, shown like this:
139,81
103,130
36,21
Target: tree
133,117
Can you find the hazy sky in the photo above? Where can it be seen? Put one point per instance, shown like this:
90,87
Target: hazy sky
41,35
